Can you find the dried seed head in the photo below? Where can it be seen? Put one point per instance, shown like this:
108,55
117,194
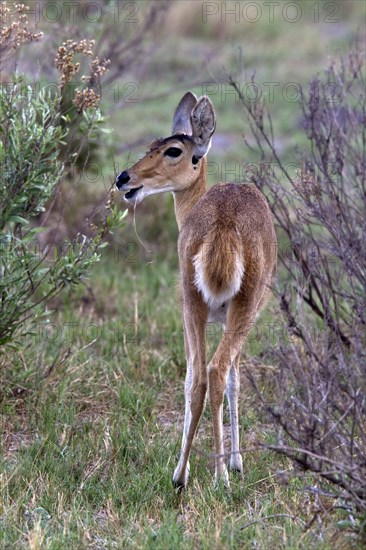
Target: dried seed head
68,68
15,32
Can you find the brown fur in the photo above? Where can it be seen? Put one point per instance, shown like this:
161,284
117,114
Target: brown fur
230,213
230,222
220,249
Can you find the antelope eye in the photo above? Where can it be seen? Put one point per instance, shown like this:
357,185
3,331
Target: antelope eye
173,152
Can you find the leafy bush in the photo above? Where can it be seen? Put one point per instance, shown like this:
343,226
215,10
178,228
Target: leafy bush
31,170
35,155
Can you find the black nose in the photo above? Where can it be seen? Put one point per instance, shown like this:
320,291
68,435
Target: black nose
122,179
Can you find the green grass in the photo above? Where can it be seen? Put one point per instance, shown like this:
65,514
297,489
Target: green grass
89,449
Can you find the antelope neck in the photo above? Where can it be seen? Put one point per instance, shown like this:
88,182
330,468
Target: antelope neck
185,199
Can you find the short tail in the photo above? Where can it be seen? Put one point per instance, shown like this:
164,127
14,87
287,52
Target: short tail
219,265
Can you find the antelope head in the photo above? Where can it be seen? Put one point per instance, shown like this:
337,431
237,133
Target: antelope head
173,163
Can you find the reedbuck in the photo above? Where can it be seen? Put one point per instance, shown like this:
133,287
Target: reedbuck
227,259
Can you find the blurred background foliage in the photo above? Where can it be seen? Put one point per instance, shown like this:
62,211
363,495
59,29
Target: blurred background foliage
159,49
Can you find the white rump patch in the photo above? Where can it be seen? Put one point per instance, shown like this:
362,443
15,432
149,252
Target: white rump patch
213,300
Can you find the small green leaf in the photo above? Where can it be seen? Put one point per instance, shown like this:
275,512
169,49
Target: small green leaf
18,219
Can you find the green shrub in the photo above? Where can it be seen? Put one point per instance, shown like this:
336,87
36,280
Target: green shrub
32,131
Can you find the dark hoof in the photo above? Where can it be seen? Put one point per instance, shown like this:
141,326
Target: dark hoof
237,471
178,486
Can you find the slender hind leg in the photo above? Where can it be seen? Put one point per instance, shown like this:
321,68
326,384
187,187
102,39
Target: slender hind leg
241,316
232,394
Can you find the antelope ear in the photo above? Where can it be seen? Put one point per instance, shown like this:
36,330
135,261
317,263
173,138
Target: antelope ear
182,115
203,121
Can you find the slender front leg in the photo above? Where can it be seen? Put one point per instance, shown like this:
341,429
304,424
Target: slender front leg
195,392
187,384
187,397
232,394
